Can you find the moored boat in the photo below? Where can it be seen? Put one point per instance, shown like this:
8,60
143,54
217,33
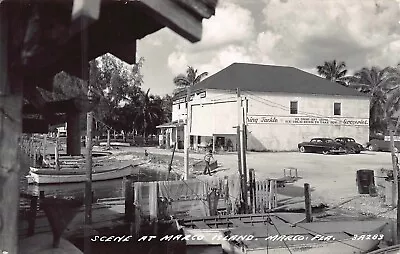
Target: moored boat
52,176
285,233
395,249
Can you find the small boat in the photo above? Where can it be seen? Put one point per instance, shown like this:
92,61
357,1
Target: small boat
395,249
287,233
101,173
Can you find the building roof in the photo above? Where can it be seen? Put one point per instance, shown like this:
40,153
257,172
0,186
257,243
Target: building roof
275,79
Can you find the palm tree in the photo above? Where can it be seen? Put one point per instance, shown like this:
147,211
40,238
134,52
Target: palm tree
377,83
148,113
334,71
190,79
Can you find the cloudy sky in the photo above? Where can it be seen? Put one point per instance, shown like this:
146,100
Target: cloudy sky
299,33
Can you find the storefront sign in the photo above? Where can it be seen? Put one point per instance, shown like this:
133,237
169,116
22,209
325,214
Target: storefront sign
305,120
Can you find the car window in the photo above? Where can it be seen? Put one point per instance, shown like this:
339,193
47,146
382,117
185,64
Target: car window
328,140
339,140
313,141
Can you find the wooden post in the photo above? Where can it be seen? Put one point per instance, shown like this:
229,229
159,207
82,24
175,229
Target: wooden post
10,130
89,147
108,139
395,169
73,134
213,143
129,207
45,146
41,195
187,134
226,195
239,145
35,157
56,155
252,189
32,215
307,200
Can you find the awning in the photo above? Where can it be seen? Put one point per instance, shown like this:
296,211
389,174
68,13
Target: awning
170,125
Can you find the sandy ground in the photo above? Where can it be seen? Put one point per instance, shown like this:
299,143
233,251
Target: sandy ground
331,177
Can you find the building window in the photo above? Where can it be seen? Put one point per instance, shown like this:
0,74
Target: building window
293,107
337,109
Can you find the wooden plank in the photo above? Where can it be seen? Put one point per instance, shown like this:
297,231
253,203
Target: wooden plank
238,223
10,131
42,243
200,224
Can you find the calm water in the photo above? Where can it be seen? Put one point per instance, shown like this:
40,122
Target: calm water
102,189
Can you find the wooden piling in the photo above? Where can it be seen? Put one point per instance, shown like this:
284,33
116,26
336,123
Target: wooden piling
129,206
41,195
56,155
11,100
227,199
252,190
307,200
32,215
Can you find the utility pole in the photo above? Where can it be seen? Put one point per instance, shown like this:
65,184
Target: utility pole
243,145
187,133
239,143
396,190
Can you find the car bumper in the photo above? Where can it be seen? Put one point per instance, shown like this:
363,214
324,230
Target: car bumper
337,151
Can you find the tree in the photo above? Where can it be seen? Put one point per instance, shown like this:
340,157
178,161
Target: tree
148,114
376,82
334,71
190,79
166,106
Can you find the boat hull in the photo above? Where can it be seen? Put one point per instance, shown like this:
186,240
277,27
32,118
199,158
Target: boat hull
39,178
343,247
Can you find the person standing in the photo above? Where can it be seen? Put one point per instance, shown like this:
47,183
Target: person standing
207,159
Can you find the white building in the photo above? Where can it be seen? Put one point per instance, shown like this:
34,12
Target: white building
284,106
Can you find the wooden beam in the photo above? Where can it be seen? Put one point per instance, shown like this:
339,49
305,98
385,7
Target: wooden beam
10,131
84,12
178,19
126,53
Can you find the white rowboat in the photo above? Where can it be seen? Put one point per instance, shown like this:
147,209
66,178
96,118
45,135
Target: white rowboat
52,176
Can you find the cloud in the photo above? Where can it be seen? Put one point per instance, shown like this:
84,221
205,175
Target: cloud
309,32
177,61
299,33
225,38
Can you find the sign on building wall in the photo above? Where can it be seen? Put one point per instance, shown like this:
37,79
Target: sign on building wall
306,120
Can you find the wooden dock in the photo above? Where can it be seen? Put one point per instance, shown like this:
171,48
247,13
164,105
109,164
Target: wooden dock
42,243
103,217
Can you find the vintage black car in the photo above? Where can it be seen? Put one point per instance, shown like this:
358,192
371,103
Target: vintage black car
322,145
382,145
350,144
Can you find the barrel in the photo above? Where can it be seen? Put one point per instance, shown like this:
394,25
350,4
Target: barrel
365,178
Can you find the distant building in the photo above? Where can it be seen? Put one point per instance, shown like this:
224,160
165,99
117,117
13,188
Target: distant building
284,106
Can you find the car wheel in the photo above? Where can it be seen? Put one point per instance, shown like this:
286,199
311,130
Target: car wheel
302,149
371,148
357,152
325,152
